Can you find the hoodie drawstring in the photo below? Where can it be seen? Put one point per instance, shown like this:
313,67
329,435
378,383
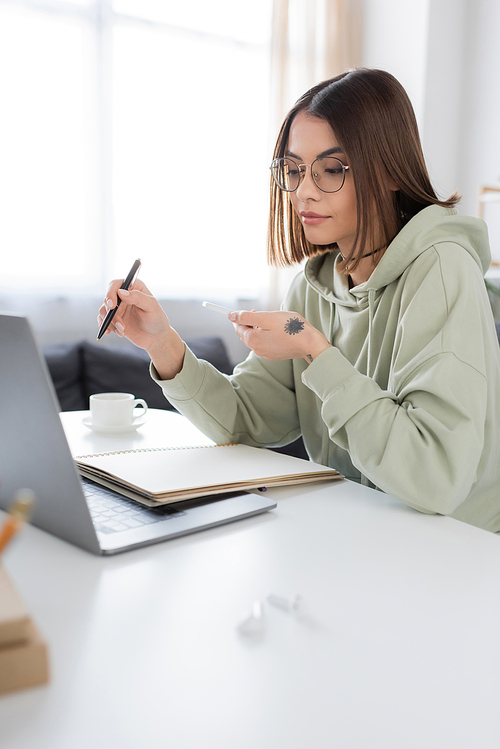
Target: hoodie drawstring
326,435
371,300
369,369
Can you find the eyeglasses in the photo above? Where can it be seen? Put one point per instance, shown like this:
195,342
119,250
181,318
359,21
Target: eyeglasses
328,173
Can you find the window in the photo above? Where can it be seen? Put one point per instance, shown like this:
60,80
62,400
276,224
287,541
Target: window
135,128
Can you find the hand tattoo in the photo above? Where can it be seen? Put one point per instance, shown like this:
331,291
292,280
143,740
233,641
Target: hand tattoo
293,326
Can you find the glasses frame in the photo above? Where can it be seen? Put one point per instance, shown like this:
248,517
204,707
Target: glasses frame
345,168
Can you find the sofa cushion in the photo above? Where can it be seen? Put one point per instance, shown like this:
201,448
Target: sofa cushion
126,369
64,362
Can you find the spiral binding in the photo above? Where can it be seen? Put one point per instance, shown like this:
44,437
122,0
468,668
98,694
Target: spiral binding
153,450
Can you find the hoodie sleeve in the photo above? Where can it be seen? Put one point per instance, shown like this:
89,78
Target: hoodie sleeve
421,439
256,405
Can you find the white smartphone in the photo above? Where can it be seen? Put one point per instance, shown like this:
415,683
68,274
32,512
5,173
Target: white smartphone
217,308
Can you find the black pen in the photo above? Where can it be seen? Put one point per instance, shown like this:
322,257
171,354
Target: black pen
128,282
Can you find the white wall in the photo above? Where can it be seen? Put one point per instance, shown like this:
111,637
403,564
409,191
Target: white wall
461,130
395,39
447,55
442,121
479,149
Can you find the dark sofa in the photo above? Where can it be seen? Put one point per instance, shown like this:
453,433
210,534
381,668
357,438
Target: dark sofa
80,369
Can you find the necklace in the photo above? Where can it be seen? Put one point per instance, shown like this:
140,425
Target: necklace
368,254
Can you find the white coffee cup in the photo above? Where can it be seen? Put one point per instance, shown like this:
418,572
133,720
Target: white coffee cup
116,409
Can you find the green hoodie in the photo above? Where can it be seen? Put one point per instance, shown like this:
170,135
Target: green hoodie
408,398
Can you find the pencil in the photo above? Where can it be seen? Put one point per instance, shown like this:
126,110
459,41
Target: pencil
19,513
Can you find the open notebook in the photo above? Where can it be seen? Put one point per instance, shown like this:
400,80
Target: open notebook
164,475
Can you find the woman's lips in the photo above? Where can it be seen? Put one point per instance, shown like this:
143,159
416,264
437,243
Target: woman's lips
308,217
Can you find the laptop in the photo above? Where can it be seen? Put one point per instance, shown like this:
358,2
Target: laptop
35,454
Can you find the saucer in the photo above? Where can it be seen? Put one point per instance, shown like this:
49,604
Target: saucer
113,430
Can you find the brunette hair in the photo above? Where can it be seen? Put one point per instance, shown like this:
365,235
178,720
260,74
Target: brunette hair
373,120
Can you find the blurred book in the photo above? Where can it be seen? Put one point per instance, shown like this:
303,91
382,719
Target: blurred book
23,653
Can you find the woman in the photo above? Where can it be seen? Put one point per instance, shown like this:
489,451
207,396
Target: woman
386,358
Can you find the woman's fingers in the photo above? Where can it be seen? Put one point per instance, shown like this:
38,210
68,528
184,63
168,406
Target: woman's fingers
114,289
251,319
136,298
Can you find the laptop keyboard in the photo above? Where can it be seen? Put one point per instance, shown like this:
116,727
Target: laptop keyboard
112,513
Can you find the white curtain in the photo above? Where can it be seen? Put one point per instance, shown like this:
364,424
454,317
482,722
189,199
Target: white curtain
312,40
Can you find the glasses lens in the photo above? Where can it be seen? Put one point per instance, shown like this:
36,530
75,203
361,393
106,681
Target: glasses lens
286,174
328,174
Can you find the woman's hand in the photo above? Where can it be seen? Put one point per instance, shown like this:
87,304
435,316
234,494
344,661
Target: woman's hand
141,319
279,335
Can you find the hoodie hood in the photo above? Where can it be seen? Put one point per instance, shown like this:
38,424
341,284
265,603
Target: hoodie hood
430,227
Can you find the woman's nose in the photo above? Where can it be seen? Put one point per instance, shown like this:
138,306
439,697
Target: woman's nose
307,187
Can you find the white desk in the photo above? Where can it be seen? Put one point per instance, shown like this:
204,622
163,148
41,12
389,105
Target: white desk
400,648
162,429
